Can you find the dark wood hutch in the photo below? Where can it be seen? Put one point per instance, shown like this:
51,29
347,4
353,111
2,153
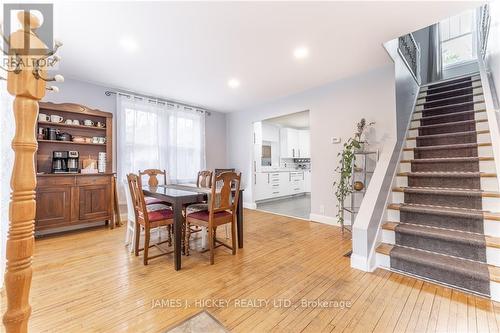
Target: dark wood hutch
66,200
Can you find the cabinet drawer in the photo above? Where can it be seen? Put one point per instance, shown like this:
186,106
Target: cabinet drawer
93,180
51,181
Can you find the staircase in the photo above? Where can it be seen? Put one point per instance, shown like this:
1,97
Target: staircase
443,222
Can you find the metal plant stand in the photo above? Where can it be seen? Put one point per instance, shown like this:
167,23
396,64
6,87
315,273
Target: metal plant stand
362,171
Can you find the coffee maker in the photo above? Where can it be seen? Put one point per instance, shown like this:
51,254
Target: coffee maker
73,161
59,161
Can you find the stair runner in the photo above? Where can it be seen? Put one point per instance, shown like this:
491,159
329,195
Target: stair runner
440,233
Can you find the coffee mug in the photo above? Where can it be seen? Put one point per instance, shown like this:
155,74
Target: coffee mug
100,124
76,122
69,122
102,139
95,139
56,119
88,122
43,117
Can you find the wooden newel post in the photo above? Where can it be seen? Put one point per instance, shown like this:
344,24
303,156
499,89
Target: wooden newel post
27,82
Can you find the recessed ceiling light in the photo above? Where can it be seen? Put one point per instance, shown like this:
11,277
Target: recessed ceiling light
233,83
129,44
301,52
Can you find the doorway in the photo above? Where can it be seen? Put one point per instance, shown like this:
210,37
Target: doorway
282,165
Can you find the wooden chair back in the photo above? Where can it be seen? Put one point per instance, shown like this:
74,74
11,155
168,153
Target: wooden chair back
153,176
225,192
204,179
137,196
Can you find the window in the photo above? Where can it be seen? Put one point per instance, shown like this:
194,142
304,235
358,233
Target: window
152,135
457,39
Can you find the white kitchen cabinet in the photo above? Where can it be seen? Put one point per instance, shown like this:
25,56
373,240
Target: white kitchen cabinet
304,144
296,183
289,143
307,181
270,132
257,147
262,186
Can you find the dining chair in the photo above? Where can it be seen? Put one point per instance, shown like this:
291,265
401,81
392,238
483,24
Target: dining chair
149,217
203,180
152,179
222,205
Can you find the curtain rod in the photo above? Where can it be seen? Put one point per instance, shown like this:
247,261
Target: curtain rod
157,100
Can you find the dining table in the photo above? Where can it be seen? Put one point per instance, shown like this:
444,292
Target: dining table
179,195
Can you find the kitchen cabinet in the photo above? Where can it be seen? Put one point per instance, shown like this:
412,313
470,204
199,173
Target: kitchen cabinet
270,185
270,132
294,143
304,144
307,181
296,183
289,143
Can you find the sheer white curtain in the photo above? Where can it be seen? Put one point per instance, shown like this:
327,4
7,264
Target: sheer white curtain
6,162
154,135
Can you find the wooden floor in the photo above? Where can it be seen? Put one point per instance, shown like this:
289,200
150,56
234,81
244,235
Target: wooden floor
87,282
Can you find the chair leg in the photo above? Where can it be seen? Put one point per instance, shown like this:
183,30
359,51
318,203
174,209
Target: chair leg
146,245
233,237
169,231
211,244
137,235
186,238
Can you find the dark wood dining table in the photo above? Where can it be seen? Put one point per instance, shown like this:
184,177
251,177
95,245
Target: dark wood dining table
180,195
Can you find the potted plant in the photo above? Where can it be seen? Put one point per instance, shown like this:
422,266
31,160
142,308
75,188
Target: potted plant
347,159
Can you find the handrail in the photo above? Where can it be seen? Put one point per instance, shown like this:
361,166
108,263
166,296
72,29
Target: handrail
409,50
484,28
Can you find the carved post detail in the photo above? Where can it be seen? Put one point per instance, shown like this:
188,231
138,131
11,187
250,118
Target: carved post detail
26,81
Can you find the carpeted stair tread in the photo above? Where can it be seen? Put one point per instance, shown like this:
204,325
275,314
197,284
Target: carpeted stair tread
448,191
431,89
447,115
454,123
490,240
443,107
441,210
445,174
445,135
460,244
449,92
461,273
454,80
463,145
449,98
448,160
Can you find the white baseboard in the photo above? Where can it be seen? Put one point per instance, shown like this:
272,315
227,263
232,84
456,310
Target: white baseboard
324,219
249,205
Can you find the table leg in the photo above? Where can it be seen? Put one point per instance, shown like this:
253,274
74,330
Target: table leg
239,221
178,220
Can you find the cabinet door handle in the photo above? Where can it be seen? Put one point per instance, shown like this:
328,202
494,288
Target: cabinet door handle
268,178
255,179
299,152
293,152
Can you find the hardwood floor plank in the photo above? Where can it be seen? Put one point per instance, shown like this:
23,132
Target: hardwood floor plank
86,281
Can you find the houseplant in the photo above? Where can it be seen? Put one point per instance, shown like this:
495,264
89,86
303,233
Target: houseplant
345,167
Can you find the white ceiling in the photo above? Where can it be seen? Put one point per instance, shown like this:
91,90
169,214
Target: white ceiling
299,120
187,51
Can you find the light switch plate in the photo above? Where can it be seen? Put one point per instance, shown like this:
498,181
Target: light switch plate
336,139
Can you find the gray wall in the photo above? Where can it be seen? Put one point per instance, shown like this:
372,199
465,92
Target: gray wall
422,38
92,95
